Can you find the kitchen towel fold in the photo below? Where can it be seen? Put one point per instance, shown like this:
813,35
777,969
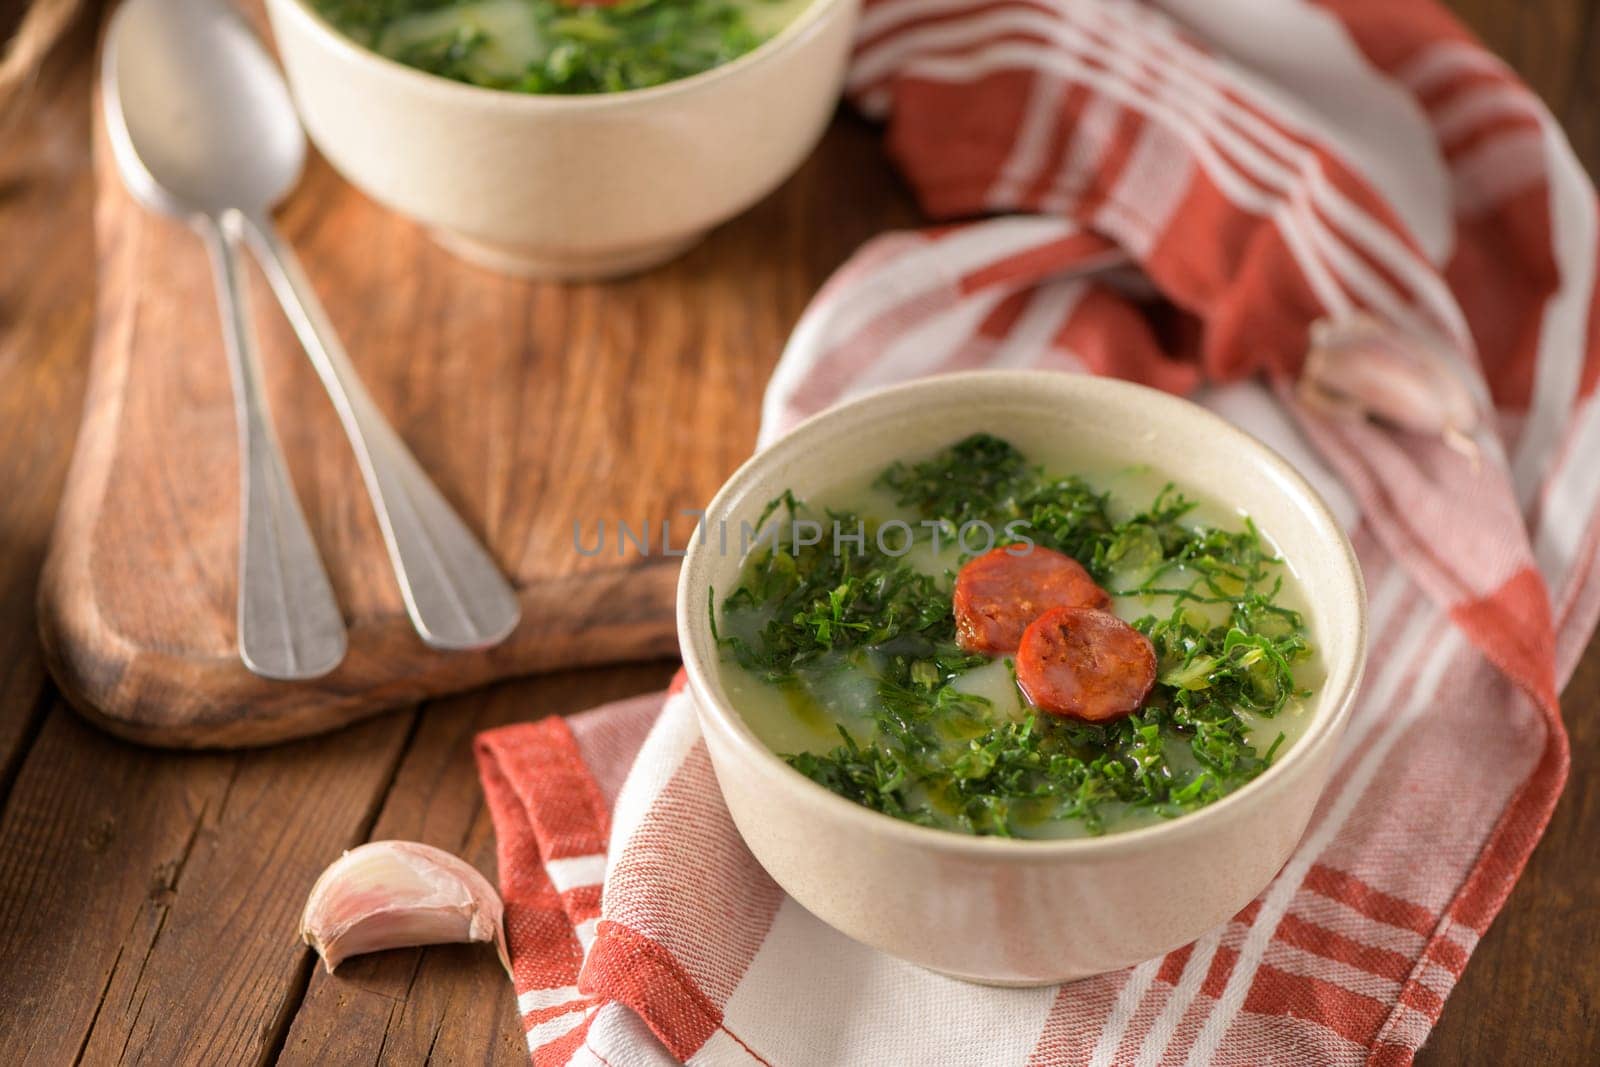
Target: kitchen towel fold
1184,187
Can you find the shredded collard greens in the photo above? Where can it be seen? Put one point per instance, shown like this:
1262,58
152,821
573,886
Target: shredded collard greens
549,46
927,752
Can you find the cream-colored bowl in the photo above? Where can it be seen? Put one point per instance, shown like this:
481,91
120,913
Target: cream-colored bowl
1009,911
567,186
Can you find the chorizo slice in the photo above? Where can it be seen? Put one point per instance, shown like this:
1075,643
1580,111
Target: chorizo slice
999,593
1085,664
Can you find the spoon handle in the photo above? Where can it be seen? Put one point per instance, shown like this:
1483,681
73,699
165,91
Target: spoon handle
454,593
289,623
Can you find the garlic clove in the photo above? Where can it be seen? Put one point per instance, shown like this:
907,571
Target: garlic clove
1359,367
397,894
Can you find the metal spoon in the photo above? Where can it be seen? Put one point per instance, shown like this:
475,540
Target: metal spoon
192,155
243,152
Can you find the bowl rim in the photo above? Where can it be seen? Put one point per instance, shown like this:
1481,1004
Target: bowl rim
804,27
1341,685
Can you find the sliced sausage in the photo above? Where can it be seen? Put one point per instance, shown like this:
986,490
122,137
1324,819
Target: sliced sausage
1085,664
998,594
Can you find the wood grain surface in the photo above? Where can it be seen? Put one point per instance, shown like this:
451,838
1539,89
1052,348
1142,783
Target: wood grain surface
148,899
542,411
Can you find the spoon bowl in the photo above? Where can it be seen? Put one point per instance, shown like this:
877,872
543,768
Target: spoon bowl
200,121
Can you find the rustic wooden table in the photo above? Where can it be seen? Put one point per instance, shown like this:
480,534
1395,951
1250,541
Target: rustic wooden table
149,900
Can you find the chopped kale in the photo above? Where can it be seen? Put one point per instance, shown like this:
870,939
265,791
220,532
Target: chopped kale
550,46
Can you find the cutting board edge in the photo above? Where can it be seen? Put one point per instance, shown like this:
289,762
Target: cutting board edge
147,696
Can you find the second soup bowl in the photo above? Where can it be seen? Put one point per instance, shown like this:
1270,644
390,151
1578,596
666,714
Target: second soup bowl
571,187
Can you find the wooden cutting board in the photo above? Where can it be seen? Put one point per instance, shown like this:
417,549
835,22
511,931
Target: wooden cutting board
533,405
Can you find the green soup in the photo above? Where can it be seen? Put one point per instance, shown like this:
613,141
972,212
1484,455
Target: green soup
843,654
544,46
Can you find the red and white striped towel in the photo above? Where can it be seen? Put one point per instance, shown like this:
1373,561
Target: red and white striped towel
1251,168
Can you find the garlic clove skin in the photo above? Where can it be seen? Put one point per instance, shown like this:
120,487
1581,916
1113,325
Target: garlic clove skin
398,894
1359,367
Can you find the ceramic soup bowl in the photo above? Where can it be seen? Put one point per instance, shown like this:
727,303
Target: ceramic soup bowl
567,186
1008,911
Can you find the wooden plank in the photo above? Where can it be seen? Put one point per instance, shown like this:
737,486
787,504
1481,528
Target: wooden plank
1577,106
149,900
534,406
46,317
452,1004
1541,40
